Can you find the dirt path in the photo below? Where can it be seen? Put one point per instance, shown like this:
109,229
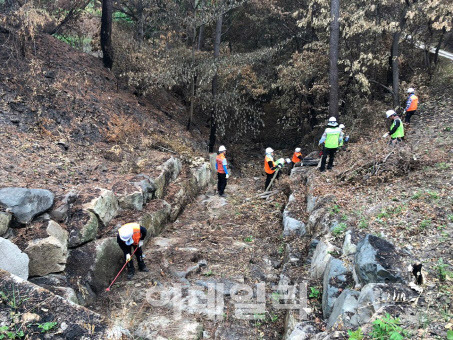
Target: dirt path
223,242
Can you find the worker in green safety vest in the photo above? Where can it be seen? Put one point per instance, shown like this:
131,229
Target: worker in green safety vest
396,131
331,139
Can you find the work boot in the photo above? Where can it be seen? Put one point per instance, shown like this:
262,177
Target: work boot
142,266
130,270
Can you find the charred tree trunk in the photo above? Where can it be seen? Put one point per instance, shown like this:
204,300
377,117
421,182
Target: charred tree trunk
192,85
106,33
200,38
333,56
395,68
215,83
439,45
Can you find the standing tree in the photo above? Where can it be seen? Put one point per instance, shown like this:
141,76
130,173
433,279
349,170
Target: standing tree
215,81
333,57
106,33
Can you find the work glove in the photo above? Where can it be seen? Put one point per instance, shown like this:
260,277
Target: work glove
280,166
128,257
227,176
140,243
346,138
385,135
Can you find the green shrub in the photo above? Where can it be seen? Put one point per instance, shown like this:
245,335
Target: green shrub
356,335
387,328
315,293
339,229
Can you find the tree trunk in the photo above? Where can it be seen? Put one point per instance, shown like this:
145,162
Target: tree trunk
106,33
333,57
200,38
215,81
192,85
395,68
436,55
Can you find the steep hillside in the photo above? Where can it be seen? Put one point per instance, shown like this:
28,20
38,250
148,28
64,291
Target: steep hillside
65,121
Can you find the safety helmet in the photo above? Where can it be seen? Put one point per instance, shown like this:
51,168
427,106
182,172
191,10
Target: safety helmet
341,126
410,90
269,150
390,113
332,121
126,233
222,148
297,150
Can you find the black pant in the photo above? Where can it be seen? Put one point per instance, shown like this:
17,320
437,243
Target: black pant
140,261
221,183
269,179
331,154
407,118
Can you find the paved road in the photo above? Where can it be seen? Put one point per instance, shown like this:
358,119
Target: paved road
442,53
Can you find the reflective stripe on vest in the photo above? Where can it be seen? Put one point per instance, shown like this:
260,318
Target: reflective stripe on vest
414,103
296,158
219,159
399,133
266,165
332,139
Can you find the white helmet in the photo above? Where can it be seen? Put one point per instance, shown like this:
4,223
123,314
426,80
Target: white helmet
297,150
269,150
126,232
332,121
341,126
222,148
410,90
390,113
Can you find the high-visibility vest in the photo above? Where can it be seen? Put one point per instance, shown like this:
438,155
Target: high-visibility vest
414,103
267,168
399,133
332,139
136,235
296,158
219,159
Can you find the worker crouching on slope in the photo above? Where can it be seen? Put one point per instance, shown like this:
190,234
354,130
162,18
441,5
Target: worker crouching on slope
331,139
297,158
270,166
411,105
343,138
396,131
221,166
130,236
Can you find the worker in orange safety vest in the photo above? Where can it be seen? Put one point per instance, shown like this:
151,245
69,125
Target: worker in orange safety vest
411,105
297,158
270,166
130,236
221,166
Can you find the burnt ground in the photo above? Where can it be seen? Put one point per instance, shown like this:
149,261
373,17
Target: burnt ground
239,240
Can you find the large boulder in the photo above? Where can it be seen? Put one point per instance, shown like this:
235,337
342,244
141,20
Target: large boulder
57,284
321,257
377,260
373,296
303,331
336,278
12,259
155,221
292,226
344,311
104,205
26,203
93,265
5,220
202,175
170,171
83,226
61,207
48,255
130,195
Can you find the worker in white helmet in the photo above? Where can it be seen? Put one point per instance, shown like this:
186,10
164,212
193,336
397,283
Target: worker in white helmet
130,237
270,166
331,138
297,158
221,166
396,130
411,105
